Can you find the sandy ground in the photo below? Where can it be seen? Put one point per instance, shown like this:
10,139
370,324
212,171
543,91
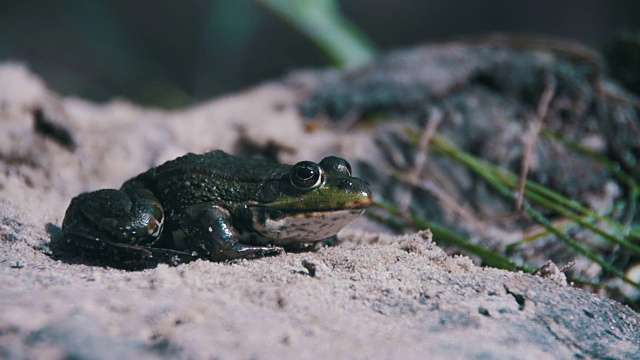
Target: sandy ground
374,296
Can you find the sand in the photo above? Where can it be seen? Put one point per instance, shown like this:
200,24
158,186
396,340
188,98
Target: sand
373,296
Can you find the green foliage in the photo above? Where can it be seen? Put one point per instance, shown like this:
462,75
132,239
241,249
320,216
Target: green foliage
577,215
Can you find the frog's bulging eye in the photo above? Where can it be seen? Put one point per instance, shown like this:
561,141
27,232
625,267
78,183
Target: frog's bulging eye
334,164
306,175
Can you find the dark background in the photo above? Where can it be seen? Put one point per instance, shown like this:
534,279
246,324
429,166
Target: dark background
171,53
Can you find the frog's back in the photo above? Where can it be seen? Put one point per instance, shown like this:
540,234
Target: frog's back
214,177
220,165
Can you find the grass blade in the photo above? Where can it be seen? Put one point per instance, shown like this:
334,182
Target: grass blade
323,23
448,237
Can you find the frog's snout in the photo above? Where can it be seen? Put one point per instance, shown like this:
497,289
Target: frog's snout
366,196
362,194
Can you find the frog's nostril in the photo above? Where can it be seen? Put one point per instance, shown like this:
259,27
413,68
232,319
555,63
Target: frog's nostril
346,183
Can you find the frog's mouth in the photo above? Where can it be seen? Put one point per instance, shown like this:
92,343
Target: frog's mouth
283,228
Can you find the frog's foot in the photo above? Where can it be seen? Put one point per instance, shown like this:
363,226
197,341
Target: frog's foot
242,251
108,219
126,256
134,257
209,229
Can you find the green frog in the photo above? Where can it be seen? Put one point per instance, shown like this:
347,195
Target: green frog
218,207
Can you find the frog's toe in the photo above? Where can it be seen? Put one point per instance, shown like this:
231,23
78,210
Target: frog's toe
270,251
246,252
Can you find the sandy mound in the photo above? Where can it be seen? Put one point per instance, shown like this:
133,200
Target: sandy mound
372,296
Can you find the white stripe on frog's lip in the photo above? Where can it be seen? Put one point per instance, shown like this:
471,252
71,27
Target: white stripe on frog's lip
305,227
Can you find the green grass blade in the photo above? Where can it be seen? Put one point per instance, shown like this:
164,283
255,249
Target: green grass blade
577,246
538,235
565,226
323,23
555,198
536,192
611,165
505,182
448,237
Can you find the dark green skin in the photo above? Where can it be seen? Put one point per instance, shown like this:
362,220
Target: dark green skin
203,206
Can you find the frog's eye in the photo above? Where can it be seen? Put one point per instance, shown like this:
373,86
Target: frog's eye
306,175
334,164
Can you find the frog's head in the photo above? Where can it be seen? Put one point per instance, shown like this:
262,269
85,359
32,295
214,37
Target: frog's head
310,203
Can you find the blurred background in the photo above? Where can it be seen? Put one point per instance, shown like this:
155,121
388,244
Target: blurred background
171,53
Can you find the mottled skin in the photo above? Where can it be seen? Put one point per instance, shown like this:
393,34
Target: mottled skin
216,206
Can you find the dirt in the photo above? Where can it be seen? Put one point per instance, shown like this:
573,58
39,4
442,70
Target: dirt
374,295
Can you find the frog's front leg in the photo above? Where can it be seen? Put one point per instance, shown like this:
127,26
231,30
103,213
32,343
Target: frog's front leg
209,230
114,220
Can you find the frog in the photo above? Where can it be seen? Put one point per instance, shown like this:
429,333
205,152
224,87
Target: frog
218,207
